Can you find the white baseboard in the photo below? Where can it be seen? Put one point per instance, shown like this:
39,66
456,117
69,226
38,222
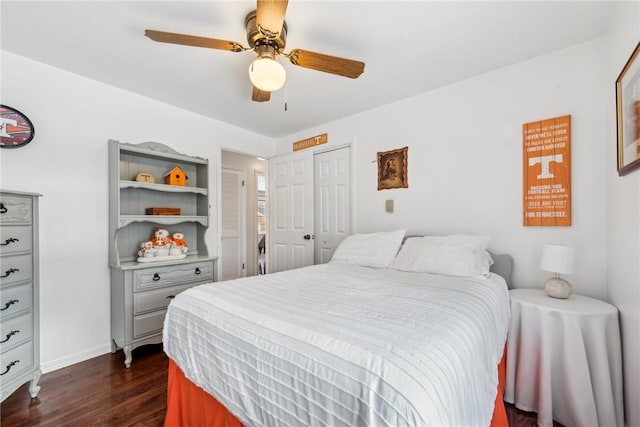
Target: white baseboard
63,362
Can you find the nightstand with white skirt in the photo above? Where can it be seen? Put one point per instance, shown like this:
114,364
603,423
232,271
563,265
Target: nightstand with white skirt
564,359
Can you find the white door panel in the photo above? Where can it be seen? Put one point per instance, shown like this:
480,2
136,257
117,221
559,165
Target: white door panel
291,211
232,255
332,182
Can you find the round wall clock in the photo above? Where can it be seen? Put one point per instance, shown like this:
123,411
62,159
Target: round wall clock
16,130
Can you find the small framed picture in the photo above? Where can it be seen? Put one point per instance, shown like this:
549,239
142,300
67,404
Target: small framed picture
392,169
628,114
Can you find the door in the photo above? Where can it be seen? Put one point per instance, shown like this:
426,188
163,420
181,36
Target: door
290,211
232,255
332,196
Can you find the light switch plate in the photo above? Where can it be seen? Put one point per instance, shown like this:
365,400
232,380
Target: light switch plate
388,206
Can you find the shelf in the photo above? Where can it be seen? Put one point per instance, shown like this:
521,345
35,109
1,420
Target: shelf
162,219
134,265
154,150
129,228
163,187
129,199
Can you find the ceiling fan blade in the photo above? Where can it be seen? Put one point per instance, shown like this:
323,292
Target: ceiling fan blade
260,95
328,64
187,40
270,16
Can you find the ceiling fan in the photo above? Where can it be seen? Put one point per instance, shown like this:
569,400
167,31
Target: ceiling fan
266,35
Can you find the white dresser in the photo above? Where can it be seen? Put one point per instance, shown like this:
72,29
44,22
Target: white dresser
19,314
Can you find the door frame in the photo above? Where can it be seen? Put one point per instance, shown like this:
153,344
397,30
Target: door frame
216,226
349,142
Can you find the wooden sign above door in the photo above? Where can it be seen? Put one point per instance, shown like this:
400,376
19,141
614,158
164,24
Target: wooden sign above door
310,142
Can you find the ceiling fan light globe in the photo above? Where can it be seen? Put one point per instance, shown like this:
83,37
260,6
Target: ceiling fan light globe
267,75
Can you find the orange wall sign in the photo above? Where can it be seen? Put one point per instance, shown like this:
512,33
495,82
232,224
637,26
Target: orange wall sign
546,148
310,142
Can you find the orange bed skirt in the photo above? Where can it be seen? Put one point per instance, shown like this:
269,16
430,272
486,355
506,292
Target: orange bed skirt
189,405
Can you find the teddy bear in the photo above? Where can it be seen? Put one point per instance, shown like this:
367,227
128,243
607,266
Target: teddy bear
178,245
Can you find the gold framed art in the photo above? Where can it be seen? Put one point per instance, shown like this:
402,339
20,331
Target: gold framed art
628,114
393,169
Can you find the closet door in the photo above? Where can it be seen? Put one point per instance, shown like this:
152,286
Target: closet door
232,255
290,216
332,194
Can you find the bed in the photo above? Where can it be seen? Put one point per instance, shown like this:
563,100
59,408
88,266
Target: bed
340,344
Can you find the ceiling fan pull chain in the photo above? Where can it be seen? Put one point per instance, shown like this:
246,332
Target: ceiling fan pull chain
285,96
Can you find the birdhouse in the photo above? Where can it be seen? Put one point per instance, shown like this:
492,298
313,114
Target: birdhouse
176,176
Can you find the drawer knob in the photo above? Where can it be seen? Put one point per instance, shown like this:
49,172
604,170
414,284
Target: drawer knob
198,270
9,271
9,240
9,304
156,277
9,366
9,335
3,209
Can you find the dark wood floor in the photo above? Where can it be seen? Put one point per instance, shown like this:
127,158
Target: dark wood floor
102,392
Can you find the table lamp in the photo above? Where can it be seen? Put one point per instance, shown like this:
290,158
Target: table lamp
557,259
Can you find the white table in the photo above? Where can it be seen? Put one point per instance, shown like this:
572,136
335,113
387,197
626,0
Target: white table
564,359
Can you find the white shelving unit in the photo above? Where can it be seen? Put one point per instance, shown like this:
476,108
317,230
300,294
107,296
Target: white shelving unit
141,292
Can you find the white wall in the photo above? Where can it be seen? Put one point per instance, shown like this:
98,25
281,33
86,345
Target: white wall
623,215
67,163
465,160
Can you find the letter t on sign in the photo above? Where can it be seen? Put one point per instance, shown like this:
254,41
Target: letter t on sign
544,161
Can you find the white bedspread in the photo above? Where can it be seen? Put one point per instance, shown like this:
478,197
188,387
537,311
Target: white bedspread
341,345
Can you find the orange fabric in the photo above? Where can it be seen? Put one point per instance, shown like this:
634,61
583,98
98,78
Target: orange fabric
499,412
188,405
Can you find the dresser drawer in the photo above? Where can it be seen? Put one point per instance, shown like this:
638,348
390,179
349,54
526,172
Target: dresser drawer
16,361
15,300
15,209
155,299
172,275
15,269
149,323
15,331
15,239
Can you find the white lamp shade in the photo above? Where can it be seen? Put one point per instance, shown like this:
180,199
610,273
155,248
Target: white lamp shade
266,74
557,259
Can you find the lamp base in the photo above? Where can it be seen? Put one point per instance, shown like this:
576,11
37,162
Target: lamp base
557,288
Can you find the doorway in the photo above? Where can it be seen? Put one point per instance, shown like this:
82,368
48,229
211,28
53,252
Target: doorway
239,206
261,221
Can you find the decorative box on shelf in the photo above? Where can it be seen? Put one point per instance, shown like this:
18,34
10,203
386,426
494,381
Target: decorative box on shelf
162,211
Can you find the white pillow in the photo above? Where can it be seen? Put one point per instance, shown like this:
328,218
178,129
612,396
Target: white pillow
455,255
370,250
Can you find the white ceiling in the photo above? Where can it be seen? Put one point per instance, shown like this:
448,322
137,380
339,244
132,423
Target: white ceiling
408,48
